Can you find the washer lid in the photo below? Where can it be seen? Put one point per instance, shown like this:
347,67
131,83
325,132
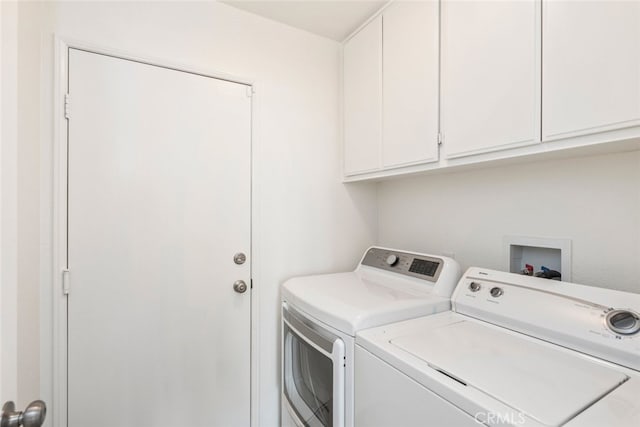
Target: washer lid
542,382
353,301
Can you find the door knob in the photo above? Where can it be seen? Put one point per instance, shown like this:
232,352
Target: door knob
239,286
33,416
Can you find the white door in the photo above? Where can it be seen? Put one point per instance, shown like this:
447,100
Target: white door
158,205
490,75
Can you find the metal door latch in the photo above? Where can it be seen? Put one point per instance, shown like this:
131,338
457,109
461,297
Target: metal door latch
239,258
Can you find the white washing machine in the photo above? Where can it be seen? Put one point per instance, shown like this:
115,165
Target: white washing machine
514,350
321,315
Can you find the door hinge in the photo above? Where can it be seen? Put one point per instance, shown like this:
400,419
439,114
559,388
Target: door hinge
249,91
439,138
66,106
65,281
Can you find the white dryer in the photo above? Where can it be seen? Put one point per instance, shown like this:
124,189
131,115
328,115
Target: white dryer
321,315
514,350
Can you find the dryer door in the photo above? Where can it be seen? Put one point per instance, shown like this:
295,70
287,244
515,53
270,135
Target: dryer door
313,371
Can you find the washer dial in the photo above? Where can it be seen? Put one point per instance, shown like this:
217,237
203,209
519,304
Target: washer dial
475,286
496,292
623,322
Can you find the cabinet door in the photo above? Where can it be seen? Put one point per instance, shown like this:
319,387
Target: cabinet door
410,83
363,99
490,75
591,67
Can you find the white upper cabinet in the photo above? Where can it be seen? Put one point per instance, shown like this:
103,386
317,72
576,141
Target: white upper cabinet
591,67
493,80
363,99
490,75
410,83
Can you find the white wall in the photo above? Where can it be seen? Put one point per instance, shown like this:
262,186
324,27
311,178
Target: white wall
304,212
594,201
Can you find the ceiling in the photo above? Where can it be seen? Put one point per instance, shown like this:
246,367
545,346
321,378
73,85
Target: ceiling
327,18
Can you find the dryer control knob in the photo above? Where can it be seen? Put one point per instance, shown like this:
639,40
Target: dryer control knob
623,322
392,260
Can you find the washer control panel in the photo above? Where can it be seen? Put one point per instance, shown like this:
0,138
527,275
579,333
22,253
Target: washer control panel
406,263
602,322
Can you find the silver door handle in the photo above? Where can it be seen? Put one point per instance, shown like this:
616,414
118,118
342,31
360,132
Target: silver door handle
33,416
239,286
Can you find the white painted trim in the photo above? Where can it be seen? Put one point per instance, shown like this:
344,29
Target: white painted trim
256,227
507,146
2,357
150,60
595,129
8,203
341,114
538,75
58,406
616,141
2,252
367,21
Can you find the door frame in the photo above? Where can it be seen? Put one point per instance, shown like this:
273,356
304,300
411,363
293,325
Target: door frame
53,340
9,362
